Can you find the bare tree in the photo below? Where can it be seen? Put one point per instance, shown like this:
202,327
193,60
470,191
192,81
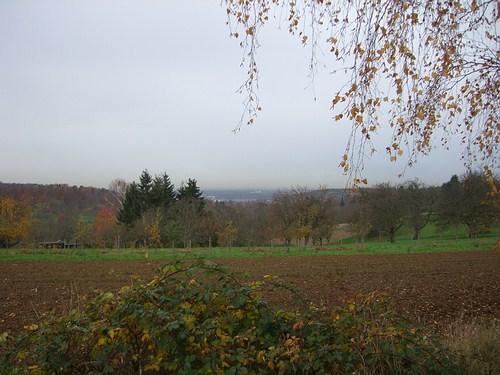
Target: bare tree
419,205
118,188
301,214
253,223
385,209
283,215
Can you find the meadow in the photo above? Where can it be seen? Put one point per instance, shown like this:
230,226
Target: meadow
433,240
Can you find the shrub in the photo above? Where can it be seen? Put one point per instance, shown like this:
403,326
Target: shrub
200,319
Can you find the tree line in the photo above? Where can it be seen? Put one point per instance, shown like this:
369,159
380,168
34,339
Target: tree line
153,213
466,201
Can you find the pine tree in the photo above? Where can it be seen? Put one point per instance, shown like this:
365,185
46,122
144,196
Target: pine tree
191,192
189,210
162,192
450,204
132,206
150,193
145,187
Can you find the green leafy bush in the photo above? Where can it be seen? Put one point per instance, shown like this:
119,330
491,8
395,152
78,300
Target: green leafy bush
201,319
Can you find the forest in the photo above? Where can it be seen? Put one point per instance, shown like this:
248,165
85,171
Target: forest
152,213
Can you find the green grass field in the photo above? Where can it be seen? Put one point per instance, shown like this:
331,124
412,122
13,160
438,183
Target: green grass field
431,241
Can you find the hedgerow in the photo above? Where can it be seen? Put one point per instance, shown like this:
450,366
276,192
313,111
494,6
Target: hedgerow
201,319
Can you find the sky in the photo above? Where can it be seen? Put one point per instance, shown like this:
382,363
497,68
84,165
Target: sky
91,91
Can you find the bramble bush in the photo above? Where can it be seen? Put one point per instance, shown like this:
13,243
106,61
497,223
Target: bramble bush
200,319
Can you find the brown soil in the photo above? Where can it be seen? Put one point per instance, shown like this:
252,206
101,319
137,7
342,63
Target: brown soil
432,289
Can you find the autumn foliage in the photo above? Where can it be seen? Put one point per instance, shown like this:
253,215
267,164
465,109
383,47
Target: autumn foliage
428,69
105,220
15,221
201,319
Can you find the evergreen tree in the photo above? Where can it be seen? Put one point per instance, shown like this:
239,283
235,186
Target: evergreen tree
145,188
131,209
162,192
189,211
191,192
450,201
149,194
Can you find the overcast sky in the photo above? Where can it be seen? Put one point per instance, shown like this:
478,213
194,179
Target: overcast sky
94,90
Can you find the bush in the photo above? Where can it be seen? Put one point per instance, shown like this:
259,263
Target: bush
200,319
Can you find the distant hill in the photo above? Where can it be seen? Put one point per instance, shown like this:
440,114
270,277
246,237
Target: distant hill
251,195
58,199
238,195
53,200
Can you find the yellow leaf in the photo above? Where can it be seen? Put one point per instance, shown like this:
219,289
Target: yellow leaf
32,327
400,152
21,355
189,320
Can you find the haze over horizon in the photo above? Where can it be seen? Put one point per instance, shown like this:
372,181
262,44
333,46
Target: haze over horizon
92,91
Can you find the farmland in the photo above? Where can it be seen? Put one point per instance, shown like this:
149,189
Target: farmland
432,289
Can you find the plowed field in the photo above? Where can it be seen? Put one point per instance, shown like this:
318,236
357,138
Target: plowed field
430,288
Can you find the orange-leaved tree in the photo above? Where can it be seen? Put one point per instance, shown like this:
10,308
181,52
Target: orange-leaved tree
105,220
15,221
429,69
